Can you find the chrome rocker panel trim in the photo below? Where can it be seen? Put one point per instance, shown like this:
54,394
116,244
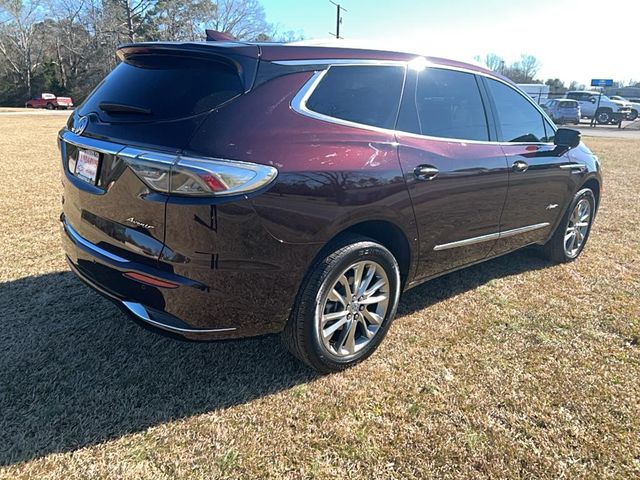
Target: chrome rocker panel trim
491,236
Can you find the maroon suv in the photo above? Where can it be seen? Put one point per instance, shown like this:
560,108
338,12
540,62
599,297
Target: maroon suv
223,190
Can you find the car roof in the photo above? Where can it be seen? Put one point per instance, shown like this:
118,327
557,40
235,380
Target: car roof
324,50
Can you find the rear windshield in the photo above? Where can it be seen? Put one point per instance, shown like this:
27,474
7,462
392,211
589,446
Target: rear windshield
163,87
568,104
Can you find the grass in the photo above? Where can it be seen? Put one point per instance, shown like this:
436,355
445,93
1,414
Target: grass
511,369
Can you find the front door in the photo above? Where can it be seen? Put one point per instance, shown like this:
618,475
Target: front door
456,174
539,173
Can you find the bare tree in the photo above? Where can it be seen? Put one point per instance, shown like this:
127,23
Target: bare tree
68,46
244,19
182,19
19,46
494,62
528,65
127,19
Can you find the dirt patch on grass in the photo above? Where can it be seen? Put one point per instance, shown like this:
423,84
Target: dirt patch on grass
515,368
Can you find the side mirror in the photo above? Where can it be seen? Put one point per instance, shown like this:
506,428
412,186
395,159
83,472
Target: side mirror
592,99
567,138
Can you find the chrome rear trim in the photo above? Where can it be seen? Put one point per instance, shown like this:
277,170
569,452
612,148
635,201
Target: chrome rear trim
91,143
77,238
491,236
140,312
574,166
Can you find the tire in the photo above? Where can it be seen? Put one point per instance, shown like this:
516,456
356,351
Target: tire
354,335
603,116
556,249
633,115
49,106
29,105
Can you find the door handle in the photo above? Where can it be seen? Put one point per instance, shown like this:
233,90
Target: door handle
425,172
520,166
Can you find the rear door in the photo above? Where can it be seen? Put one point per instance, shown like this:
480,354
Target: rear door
146,109
539,178
455,171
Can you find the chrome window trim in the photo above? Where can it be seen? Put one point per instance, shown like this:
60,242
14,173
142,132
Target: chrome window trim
299,101
77,238
491,236
340,61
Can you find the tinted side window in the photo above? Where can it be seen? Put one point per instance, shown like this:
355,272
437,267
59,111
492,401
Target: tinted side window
518,120
363,94
448,105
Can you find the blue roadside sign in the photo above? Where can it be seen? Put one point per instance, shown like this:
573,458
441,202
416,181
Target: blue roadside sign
602,82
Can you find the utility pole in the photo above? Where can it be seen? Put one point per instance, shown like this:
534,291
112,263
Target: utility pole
338,19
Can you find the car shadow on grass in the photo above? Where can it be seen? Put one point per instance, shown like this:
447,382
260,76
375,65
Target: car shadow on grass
74,371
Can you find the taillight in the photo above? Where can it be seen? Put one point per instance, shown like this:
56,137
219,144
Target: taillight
192,176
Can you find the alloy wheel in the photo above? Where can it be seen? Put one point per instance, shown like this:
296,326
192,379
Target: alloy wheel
354,309
577,228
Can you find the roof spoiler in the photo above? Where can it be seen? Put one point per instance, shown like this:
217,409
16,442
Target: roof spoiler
216,36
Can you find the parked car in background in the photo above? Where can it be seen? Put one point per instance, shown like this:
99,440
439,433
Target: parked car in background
50,102
224,190
563,111
635,105
607,111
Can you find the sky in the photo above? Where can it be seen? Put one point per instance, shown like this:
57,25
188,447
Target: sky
573,39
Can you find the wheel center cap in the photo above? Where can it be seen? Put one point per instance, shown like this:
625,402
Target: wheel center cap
354,307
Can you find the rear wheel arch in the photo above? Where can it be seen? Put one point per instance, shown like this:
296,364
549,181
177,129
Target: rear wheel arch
386,233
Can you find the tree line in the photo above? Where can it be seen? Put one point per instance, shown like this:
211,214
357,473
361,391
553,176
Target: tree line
525,70
67,46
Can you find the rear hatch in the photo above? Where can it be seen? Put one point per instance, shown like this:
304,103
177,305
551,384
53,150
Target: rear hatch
142,114
568,107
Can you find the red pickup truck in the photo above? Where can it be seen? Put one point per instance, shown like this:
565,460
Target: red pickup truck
50,102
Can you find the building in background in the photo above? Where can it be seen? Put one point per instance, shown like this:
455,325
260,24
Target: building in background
538,91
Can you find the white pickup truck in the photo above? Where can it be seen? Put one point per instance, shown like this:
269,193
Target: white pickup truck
608,111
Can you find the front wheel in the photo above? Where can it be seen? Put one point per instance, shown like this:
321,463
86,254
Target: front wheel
633,115
345,305
572,232
603,117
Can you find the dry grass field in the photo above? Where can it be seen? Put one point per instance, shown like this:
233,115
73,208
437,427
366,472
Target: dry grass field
511,369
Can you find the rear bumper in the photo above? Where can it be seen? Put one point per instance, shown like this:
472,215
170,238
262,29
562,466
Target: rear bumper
148,317
103,271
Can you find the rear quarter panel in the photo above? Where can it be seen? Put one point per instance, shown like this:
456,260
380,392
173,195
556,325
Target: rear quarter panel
330,176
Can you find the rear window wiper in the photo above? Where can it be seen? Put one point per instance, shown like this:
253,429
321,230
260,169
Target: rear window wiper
112,107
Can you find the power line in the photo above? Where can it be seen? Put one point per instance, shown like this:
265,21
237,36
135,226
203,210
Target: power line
338,19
